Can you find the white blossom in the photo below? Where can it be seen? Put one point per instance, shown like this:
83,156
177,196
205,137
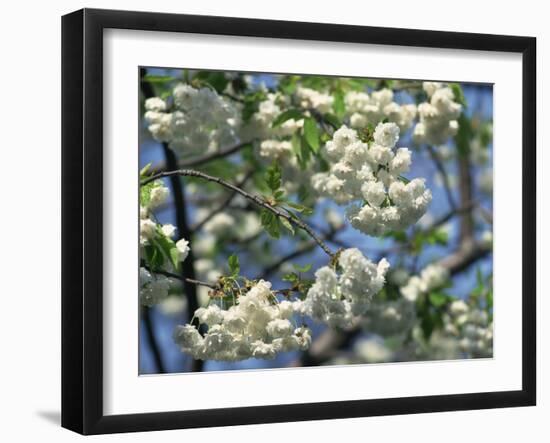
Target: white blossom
182,246
168,230
337,298
153,288
255,326
275,149
147,230
155,104
431,277
438,117
364,109
201,120
158,196
387,318
372,350
485,181
312,99
372,174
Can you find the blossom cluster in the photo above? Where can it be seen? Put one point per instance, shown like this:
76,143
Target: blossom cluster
371,172
198,121
467,331
364,109
149,230
157,195
432,277
257,325
312,99
153,288
337,297
438,116
472,327
260,124
390,317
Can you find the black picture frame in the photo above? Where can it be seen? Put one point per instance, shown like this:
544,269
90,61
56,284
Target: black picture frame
82,171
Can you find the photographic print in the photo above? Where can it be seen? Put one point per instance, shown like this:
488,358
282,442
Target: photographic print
295,220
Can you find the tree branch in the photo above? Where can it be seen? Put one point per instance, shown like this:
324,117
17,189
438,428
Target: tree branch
181,278
441,168
253,198
465,187
150,333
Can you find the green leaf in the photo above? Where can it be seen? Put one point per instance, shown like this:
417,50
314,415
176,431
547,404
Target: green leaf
292,113
251,104
404,179
273,177
438,299
440,237
286,224
168,248
311,134
175,257
288,83
338,105
464,135
479,276
145,192
217,80
300,208
291,277
490,300
296,145
332,120
302,269
145,170
459,94
270,222
234,265
427,325
398,236
279,194
304,152
150,78
153,256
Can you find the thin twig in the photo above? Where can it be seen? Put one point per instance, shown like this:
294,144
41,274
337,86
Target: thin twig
192,281
208,285
253,198
465,187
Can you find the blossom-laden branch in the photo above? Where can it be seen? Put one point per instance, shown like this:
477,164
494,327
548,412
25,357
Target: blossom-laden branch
214,286
253,198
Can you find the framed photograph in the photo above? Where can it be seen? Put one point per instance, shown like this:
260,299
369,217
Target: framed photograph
270,221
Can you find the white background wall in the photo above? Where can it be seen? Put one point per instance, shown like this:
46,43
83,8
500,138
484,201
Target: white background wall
30,242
